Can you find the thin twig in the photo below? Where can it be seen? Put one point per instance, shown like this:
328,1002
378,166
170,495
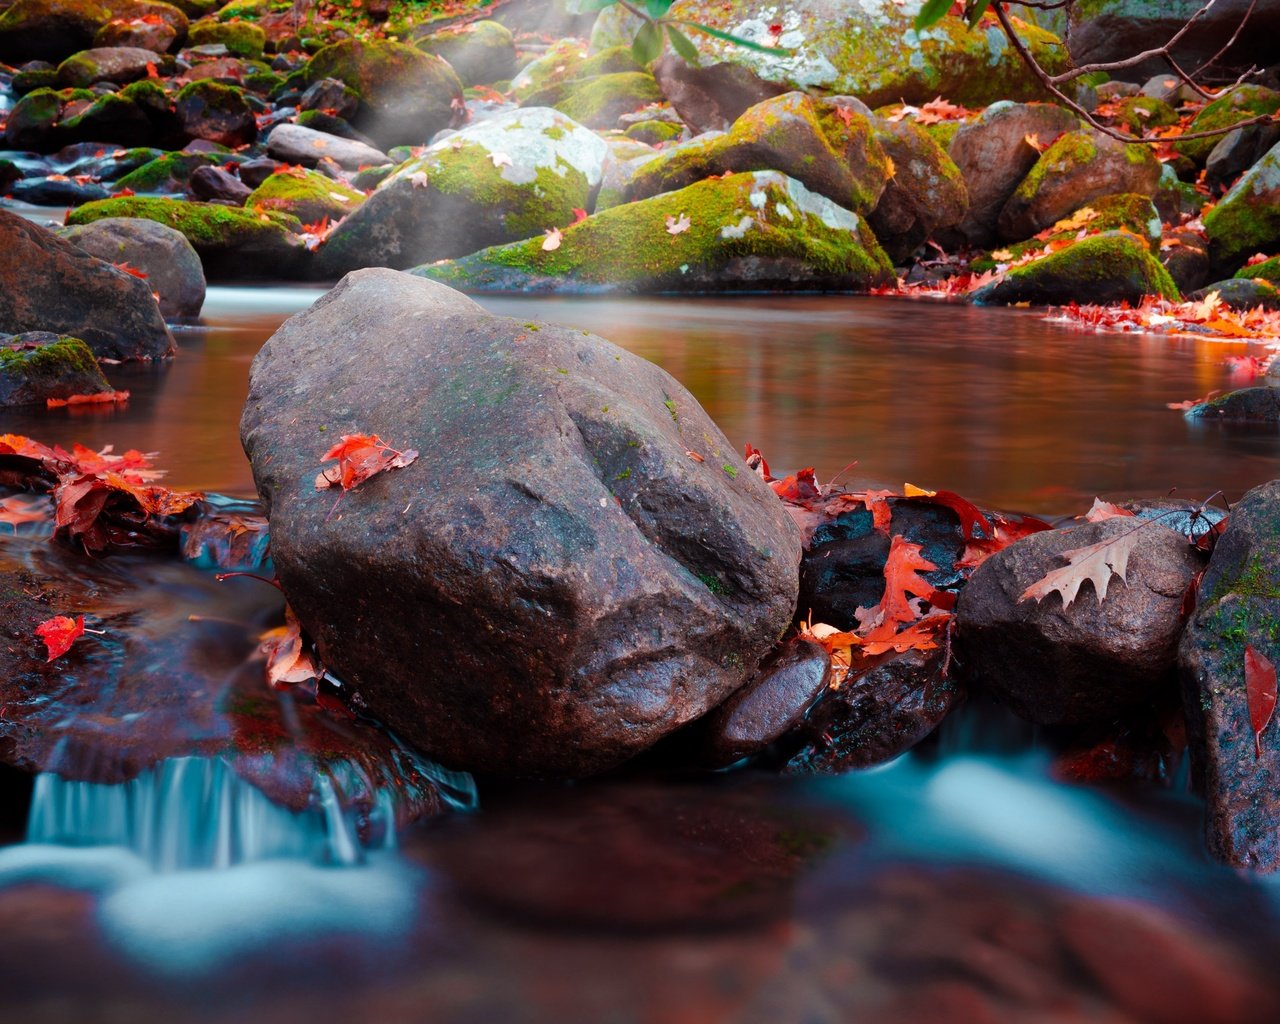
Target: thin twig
1128,62
1230,42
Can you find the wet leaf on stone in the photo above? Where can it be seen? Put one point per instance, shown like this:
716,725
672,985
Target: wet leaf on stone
360,456
59,633
1260,689
1096,563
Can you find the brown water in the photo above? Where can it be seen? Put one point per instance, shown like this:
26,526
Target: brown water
995,404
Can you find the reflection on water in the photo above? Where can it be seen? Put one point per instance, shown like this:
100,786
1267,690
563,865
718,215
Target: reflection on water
995,404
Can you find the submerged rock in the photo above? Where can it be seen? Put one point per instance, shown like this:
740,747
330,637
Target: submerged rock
556,583
1239,607
1054,665
48,284
36,366
745,232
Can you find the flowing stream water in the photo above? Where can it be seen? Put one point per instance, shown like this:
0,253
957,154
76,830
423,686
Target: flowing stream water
959,883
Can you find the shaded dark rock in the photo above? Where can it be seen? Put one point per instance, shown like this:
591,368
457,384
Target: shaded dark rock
1242,293
217,113
878,712
926,192
1238,151
254,172
770,703
584,587
1185,255
37,365
47,283
712,97
172,267
1055,665
56,192
216,185
1248,405
49,29
332,97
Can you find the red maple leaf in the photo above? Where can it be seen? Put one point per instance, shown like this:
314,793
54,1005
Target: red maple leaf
59,633
360,456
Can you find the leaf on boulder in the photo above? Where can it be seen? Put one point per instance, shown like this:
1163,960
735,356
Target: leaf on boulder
1095,563
360,456
1260,689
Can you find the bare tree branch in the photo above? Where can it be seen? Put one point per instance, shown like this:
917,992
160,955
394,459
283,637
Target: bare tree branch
1128,62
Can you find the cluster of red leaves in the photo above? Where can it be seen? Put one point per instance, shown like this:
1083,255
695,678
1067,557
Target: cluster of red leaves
360,456
1207,318
100,499
290,657
933,112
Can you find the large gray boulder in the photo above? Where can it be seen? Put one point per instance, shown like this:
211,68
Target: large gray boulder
556,583
48,284
171,266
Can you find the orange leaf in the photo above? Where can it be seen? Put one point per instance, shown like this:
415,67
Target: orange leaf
289,659
360,456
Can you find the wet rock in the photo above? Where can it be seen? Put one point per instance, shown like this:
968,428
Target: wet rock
993,156
332,96
406,96
827,148
254,172
1248,405
878,712
713,97
497,181
808,243
56,192
1243,293
926,193
1239,606
232,243
1237,151
37,365
1185,255
48,284
585,588
770,703
172,268
1078,167
215,185
1110,267
294,144
308,195
1247,219
218,113
118,64
1054,665
1242,103
167,174
481,53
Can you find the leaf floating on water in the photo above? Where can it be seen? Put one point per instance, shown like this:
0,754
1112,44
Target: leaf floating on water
59,633
98,398
1260,689
360,456
1096,563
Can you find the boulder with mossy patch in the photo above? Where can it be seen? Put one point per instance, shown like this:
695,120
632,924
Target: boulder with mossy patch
33,121
233,244
566,61
829,147
167,261
1114,266
925,192
38,365
215,112
1247,219
49,29
406,96
241,38
167,174
481,53
119,65
496,181
1243,293
757,231
308,195
1242,103
1260,405
1267,270
654,133
870,50
1238,609
137,115
600,100
49,284
1078,167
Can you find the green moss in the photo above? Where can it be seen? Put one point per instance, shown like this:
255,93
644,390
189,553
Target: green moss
307,195
1096,266
146,93
205,225
1241,104
1141,112
1247,219
1268,270
1071,150
567,61
168,173
598,102
712,583
943,132
654,132
730,471
50,363
1255,579
241,38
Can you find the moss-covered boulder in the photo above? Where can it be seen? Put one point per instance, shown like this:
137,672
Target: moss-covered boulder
119,65
567,61
171,267
406,96
871,50
233,244
1111,267
655,132
1267,270
1247,219
34,118
925,193
1240,104
600,100
49,29
497,181
308,195
1078,167
241,38
745,232
830,148
39,365
138,115
167,174
481,53
215,112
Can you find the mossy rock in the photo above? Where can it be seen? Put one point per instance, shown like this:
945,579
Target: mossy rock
115,118
566,61
232,243
481,53
654,133
1079,167
872,51
1115,266
49,30
215,112
830,149
406,96
308,195
599,101
241,38
496,181
34,78
925,193
756,231
33,119
1244,293
1267,270
37,366
166,174
1127,211
1247,219
1240,104
1142,112
119,65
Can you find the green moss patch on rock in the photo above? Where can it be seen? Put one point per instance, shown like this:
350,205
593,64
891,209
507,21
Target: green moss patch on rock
215,112
566,61
1240,104
599,101
481,53
37,366
241,38
654,133
1115,266
1267,270
307,195
744,232
166,174
1247,219
232,243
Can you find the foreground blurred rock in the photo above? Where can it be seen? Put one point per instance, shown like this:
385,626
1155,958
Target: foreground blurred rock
578,563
